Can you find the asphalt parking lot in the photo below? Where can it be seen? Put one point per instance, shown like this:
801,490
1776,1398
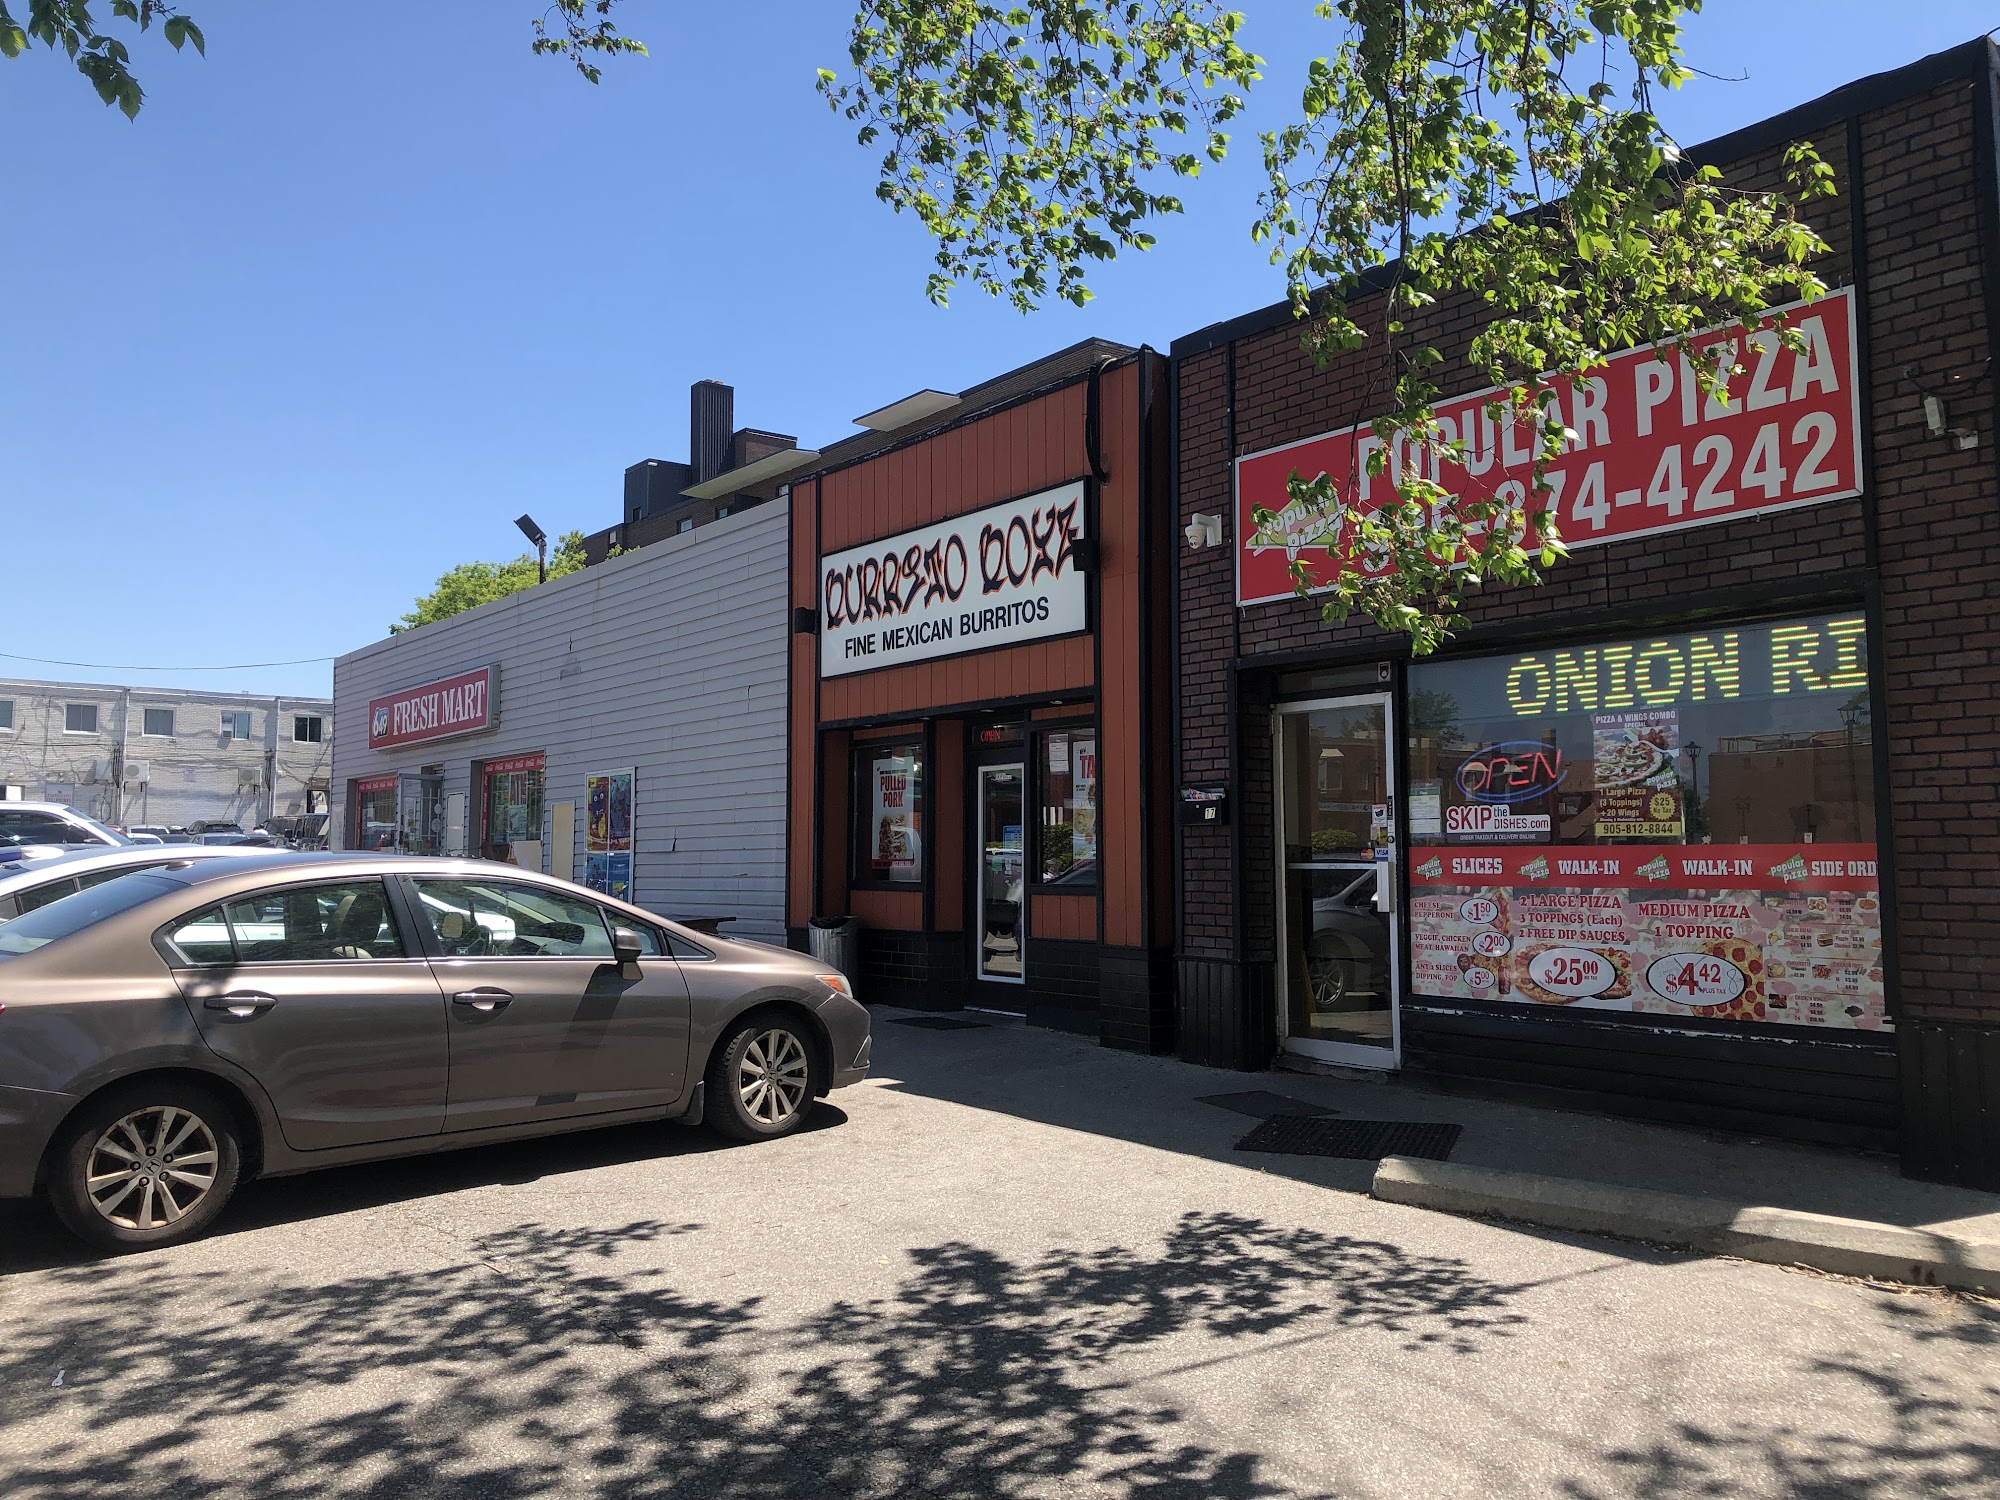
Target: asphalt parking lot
1010,1265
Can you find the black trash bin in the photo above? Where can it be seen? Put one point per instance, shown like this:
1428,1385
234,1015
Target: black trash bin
836,942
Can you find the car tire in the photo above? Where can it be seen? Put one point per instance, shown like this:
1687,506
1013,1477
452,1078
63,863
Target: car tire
172,1156
763,1077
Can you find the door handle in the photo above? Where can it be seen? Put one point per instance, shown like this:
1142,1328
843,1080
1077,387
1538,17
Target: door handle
241,1004
485,998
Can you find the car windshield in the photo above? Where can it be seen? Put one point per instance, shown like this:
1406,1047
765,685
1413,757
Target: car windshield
59,919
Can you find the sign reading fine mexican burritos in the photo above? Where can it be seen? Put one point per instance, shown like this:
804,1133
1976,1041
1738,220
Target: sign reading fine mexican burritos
435,711
1652,452
997,577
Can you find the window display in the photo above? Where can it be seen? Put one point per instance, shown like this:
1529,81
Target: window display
375,813
889,815
513,803
1681,825
1068,849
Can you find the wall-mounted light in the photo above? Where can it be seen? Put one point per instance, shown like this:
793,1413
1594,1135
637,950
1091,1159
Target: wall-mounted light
539,539
1938,419
1203,531
805,620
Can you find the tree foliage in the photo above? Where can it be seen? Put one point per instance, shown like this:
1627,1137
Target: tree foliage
1503,150
579,30
472,584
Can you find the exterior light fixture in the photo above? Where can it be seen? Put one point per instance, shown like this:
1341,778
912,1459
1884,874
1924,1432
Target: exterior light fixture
1203,531
540,539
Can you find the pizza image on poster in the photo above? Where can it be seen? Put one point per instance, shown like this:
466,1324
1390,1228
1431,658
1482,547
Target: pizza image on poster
1636,755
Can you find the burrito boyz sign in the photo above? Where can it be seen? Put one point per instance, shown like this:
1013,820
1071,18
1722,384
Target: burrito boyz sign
1652,451
435,711
996,577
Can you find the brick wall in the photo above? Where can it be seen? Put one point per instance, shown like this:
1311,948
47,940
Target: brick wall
1934,553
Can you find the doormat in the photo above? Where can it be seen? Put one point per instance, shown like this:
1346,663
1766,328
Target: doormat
939,1023
1357,1140
1262,1104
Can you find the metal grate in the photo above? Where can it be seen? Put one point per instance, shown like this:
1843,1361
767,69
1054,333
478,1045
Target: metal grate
939,1023
1357,1140
1262,1104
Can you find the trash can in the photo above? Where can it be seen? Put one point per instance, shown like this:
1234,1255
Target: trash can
836,942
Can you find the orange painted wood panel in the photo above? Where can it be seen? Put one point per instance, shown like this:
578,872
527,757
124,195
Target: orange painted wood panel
897,911
1070,919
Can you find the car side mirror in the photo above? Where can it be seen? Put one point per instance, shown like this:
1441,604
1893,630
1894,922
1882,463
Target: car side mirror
625,946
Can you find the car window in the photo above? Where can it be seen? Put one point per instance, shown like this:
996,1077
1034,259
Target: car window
340,920
202,938
496,918
73,914
44,828
680,947
44,895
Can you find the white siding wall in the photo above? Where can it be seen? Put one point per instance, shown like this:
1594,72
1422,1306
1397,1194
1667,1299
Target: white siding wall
676,663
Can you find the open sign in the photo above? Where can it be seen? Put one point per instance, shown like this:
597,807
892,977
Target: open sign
1511,771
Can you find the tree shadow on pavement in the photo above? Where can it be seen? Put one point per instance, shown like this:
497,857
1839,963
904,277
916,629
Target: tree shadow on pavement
1916,1439
566,1361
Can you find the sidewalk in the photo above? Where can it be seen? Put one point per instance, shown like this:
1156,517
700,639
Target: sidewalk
1069,1081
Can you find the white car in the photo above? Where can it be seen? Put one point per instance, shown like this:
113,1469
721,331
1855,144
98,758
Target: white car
52,823
31,878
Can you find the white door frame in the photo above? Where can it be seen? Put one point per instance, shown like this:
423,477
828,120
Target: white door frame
1351,1054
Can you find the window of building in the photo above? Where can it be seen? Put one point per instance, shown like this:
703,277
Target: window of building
889,813
722,512
307,729
6,713
512,804
80,718
236,723
686,524
1066,853
160,723
375,813
1681,825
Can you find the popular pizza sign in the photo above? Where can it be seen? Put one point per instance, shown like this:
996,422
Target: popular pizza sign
1651,451
435,711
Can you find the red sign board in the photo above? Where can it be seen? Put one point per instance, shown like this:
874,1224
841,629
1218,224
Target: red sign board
435,711
1635,867
1652,452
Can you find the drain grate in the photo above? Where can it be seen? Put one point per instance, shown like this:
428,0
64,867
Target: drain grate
939,1023
1262,1104
1358,1140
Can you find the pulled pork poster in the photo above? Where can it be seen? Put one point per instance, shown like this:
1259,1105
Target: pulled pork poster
1789,934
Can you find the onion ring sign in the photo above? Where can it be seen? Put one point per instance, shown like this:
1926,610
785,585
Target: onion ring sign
1651,453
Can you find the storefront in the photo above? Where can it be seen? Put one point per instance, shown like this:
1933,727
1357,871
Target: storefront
623,727
979,687
1699,830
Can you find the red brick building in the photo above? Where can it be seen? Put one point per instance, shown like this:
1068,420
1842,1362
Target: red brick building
1705,829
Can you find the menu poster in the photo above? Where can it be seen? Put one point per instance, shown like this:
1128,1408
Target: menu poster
607,840
894,838
1772,933
1637,757
1083,793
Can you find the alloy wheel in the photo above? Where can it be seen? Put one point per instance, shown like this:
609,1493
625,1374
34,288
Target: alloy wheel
1328,978
152,1168
773,1077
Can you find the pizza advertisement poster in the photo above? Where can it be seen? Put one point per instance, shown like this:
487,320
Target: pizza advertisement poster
1635,757
1771,934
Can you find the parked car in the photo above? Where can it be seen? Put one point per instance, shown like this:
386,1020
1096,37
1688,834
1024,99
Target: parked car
145,833
173,1031
33,878
207,826
52,823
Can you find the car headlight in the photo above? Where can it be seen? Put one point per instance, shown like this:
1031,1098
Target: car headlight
837,983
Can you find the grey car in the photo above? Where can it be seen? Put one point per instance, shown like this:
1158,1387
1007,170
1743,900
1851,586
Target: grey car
169,1033
32,878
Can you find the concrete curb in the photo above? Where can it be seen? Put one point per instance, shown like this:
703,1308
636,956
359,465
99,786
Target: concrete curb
1783,1236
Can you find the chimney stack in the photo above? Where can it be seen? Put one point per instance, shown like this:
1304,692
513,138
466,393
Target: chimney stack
711,423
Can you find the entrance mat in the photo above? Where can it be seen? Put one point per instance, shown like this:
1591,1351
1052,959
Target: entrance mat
1262,1104
1358,1140
939,1023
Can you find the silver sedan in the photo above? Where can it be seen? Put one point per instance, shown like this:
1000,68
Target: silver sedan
168,1033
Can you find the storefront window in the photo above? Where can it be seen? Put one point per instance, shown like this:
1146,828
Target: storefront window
375,813
513,804
1680,825
889,813
1068,800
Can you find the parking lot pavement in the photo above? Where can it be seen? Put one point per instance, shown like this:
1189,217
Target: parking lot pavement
1010,1265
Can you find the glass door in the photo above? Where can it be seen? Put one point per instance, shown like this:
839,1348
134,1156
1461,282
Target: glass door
1338,965
1002,871
420,814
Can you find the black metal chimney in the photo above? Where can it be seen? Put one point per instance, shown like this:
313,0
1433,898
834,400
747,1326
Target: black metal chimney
711,422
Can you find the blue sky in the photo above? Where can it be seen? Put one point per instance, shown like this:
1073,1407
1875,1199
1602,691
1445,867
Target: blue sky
352,293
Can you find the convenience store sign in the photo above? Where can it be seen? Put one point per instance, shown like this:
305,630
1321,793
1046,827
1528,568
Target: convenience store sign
1652,451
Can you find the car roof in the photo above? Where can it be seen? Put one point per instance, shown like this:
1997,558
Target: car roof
82,859
48,807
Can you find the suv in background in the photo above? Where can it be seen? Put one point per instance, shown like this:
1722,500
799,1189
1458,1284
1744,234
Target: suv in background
52,823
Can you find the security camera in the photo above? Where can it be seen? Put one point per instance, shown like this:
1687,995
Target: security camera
1196,534
1203,531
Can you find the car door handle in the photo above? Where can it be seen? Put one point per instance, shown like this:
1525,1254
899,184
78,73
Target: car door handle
242,1004
484,998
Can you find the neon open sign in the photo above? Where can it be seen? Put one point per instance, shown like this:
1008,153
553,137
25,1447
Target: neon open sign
1512,771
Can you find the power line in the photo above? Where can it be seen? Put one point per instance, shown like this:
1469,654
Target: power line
106,666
